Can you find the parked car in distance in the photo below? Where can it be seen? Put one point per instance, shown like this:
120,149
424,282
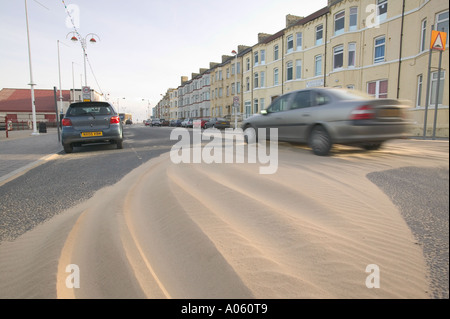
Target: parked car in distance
156,122
187,123
164,122
203,123
175,123
217,122
91,122
128,122
322,117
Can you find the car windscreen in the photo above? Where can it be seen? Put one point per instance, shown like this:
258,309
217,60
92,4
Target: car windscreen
89,109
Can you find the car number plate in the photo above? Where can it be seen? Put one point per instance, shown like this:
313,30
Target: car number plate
90,134
389,113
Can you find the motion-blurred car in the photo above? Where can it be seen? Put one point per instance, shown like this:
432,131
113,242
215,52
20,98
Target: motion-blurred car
148,122
164,122
217,122
156,122
91,122
322,117
128,122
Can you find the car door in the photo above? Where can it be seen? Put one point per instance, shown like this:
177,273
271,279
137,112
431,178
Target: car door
277,116
299,115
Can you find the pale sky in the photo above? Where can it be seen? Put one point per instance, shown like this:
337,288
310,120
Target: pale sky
145,45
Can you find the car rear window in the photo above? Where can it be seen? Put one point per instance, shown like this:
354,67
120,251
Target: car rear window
89,109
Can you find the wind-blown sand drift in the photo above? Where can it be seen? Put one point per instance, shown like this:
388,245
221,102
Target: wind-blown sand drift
225,231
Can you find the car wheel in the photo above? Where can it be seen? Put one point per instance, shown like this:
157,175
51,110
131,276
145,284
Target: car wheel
68,148
320,141
119,144
250,135
372,146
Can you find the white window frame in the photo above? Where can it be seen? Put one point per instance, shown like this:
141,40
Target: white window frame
289,69
351,49
379,59
298,69
380,5
275,52
438,21
248,108
255,80
318,59
255,58
262,79
433,88
319,41
263,56
276,75
337,18
290,43
299,36
377,88
423,35
354,14
338,52
419,90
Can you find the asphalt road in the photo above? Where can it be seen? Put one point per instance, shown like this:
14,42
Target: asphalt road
422,194
58,184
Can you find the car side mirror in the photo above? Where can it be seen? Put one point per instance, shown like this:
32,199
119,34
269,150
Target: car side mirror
263,112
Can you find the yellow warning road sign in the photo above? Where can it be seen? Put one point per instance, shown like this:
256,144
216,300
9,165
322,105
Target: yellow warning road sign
438,39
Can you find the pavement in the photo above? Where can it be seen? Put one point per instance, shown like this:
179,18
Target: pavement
22,151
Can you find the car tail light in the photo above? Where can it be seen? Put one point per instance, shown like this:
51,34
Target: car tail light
114,120
66,122
365,112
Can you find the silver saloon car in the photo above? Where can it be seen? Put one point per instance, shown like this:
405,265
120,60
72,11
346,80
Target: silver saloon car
321,117
91,122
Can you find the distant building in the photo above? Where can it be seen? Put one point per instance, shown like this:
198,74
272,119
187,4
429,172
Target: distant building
16,104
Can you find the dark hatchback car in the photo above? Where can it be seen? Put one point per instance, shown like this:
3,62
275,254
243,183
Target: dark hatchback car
217,122
91,122
322,117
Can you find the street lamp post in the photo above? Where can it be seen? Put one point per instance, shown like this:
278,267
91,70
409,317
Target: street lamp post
235,88
83,46
32,84
118,106
148,108
60,108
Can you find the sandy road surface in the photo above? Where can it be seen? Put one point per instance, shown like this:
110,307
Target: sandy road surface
225,231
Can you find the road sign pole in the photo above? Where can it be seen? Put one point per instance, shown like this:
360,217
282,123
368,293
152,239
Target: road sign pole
427,98
437,94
